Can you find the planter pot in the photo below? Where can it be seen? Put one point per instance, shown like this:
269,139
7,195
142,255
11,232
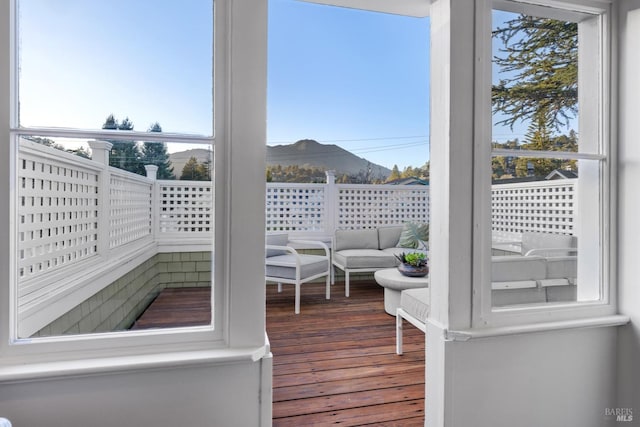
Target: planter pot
411,271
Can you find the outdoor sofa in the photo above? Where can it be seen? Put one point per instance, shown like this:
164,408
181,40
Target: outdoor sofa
370,250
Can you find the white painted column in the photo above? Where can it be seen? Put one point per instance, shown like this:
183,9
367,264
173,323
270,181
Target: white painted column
451,191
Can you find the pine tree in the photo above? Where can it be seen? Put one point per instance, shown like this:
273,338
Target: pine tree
539,69
155,153
194,171
395,174
124,154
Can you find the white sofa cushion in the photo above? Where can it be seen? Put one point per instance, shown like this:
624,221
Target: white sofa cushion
398,251
356,239
565,267
517,268
388,236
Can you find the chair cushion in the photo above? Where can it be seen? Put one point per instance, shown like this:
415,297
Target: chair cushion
413,234
356,239
277,239
310,265
416,303
365,258
388,237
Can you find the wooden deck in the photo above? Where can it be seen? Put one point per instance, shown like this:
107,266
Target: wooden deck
335,362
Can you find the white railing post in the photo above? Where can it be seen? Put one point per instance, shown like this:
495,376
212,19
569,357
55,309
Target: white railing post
100,154
152,173
330,203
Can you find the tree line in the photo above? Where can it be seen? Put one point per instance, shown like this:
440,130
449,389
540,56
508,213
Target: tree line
302,174
132,156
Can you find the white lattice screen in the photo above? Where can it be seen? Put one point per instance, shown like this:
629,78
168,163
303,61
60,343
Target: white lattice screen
57,212
369,206
130,210
295,207
546,206
186,207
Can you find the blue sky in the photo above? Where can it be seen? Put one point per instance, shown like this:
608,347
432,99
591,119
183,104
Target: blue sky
356,79
146,59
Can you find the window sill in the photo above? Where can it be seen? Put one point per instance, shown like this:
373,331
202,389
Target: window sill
595,322
114,365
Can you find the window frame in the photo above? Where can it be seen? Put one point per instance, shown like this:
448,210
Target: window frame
231,339
484,315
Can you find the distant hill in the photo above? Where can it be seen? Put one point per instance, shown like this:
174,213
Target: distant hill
304,153
310,153
179,159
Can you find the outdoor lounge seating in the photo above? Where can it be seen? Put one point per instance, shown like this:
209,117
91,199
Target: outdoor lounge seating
414,308
283,264
370,250
545,271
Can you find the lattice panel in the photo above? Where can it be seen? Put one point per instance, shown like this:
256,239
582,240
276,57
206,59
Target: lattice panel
186,207
295,207
370,206
542,206
130,210
57,214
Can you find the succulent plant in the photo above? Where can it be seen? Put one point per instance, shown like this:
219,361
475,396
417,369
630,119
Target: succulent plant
416,259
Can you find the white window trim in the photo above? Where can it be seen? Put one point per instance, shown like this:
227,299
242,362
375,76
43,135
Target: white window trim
239,333
483,314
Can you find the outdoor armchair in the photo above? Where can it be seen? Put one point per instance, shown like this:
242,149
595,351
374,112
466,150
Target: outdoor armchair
284,264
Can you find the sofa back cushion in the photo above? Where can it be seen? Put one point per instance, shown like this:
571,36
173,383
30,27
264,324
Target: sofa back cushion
388,236
356,239
532,240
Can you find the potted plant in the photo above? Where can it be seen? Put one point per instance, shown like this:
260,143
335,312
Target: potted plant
413,264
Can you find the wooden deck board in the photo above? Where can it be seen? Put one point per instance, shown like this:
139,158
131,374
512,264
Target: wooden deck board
334,363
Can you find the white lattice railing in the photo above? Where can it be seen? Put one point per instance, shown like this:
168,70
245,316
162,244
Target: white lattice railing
57,211
369,206
541,206
320,209
130,209
185,207
298,208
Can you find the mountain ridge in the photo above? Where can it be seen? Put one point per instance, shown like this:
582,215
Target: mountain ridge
307,153
310,153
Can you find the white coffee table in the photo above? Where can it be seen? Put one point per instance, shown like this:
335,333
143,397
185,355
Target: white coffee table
394,283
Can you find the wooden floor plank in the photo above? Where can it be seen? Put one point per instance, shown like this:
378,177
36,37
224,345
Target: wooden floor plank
334,363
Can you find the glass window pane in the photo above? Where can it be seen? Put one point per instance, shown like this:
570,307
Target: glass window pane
148,61
547,205
99,247
535,83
